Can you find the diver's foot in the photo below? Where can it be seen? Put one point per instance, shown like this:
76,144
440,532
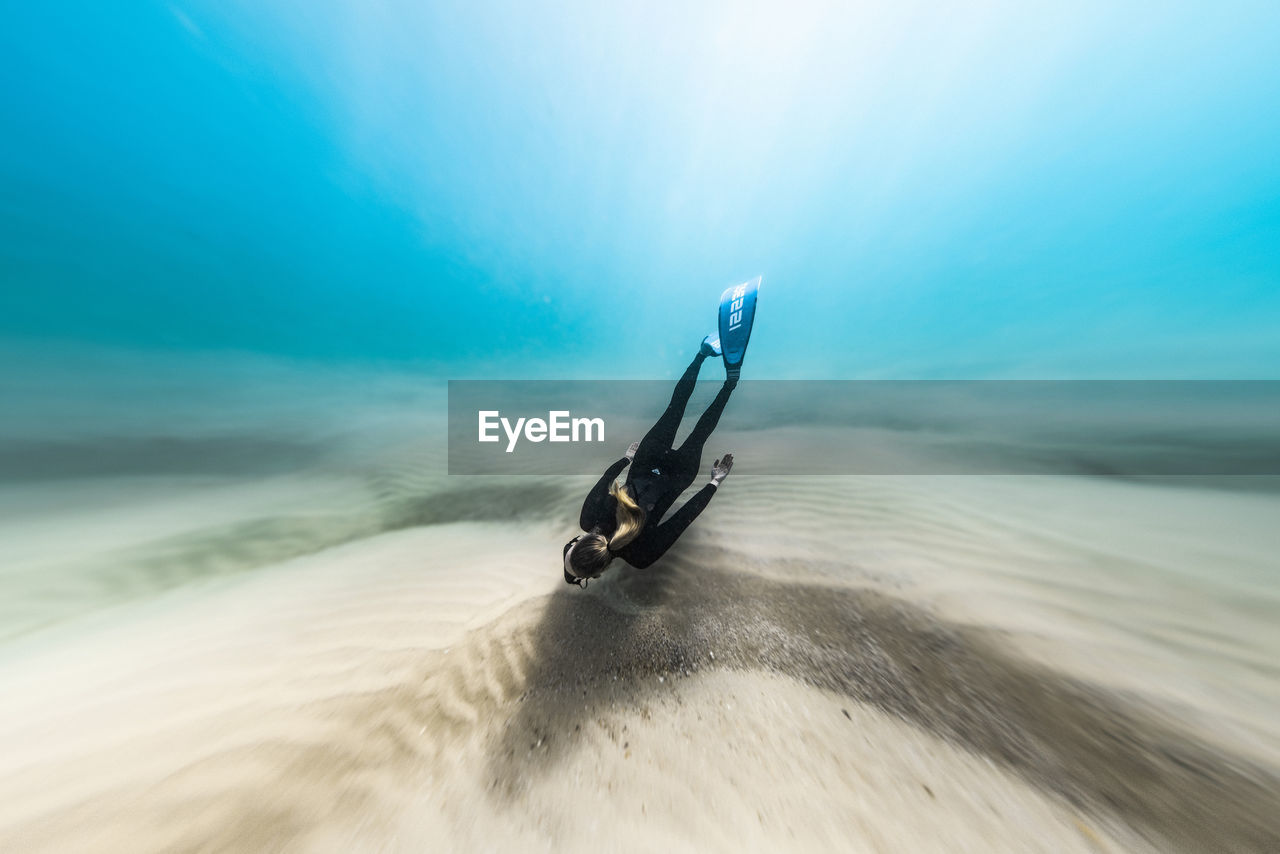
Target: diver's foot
710,346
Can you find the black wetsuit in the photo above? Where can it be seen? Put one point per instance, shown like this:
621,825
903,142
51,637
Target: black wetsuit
659,473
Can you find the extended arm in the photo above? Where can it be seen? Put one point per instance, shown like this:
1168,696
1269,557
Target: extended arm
653,544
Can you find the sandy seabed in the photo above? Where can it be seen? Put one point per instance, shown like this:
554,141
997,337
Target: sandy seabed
379,658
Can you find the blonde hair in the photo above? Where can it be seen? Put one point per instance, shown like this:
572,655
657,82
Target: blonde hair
592,553
630,517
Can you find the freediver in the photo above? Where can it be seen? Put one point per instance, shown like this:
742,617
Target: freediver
626,521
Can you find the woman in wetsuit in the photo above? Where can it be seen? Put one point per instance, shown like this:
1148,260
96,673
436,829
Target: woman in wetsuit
627,521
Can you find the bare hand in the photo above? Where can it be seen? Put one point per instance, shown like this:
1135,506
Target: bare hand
720,468
631,451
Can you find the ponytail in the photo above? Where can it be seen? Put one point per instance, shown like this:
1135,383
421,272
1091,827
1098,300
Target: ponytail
630,517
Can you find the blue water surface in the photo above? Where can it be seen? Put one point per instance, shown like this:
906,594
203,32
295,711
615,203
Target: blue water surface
999,189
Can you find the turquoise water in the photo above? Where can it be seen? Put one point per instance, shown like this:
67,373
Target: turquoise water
244,244
1054,190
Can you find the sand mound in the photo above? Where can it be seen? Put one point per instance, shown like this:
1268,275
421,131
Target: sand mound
369,655
368,698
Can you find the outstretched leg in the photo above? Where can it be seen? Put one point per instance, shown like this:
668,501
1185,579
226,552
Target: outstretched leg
692,446
662,435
